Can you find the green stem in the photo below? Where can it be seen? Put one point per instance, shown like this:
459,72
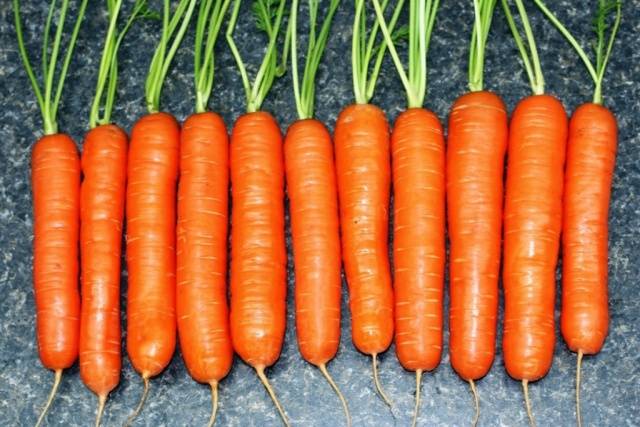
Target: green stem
269,69
204,68
164,53
529,53
421,20
315,51
483,15
602,59
48,99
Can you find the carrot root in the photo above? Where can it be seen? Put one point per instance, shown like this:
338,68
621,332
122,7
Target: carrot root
376,380
474,392
52,395
416,410
102,400
214,403
136,412
527,402
578,368
334,386
265,382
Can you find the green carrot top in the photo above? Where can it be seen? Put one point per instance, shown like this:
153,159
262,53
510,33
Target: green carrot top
483,15
268,15
305,92
210,18
48,92
602,47
173,29
364,48
528,52
422,17
103,102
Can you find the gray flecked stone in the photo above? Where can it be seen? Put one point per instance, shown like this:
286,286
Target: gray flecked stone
610,385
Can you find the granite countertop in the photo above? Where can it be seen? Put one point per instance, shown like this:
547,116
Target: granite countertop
610,388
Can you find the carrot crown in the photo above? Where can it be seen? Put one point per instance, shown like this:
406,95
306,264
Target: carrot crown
602,47
210,17
364,49
305,98
483,12
108,71
173,27
48,98
422,17
268,14
528,52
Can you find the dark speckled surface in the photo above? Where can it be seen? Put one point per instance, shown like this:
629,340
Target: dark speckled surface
610,388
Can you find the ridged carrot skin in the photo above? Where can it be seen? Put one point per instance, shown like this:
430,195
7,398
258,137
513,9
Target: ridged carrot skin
315,229
55,179
418,168
151,236
476,148
364,179
102,197
203,190
532,225
258,255
591,152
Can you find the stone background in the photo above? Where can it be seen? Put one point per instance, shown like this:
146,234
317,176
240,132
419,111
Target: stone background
610,387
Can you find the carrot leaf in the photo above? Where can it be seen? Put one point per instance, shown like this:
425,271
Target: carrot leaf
305,97
483,12
602,46
48,95
210,18
268,15
422,15
364,48
528,52
108,71
173,28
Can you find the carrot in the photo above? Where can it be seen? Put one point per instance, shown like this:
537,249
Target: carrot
591,151
532,221
313,199
364,180
151,217
102,194
201,304
477,142
55,180
418,166
258,254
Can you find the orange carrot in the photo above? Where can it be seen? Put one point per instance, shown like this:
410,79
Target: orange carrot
151,218
364,179
55,180
591,151
418,165
532,222
313,200
476,147
258,254
104,168
202,311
